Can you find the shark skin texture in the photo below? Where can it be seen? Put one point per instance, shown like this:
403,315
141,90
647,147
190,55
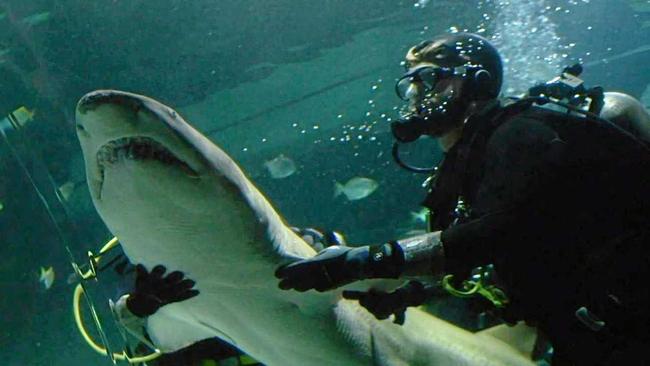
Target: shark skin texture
172,197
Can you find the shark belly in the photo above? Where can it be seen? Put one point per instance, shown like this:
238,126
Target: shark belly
239,300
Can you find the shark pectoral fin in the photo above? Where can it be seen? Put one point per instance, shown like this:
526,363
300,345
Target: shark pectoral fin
521,337
379,284
171,329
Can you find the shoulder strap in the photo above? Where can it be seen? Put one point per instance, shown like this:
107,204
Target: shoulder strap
443,195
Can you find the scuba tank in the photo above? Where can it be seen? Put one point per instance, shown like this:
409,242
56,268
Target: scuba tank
568,93
628,113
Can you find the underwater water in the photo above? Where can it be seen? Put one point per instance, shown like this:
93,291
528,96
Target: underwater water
299,93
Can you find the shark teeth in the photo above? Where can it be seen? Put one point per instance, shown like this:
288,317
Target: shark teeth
138,148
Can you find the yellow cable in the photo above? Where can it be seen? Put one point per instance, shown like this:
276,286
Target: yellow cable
76,308
458,293
247,360
108,246
492,293
78,291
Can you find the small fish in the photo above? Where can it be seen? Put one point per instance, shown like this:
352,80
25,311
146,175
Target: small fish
420,216
36,19
298,48
66,190
280,167
356,188
72,279
3,15
22,115
2,206
422,3
47,277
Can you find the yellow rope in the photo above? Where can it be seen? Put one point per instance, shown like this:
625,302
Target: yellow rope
76,308
78,291
247,360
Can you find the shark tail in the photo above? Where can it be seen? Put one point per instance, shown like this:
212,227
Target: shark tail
338,189
414,216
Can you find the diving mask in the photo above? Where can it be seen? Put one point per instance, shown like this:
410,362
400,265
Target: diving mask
422,80
419,81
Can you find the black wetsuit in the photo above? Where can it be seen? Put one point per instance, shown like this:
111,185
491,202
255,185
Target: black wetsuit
200,353
561,206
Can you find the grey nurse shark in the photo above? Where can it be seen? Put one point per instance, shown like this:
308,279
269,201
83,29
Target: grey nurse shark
173,197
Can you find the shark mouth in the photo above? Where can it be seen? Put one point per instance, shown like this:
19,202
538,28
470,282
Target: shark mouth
137,148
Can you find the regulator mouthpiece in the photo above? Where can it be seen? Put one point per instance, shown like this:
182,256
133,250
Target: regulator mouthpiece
408,129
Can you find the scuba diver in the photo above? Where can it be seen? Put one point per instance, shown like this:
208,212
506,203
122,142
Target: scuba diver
555,201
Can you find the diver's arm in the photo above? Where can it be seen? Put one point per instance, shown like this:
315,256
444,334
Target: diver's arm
421,256
338,265
384,304
519,161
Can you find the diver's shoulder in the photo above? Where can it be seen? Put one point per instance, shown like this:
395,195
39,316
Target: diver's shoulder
540,114
527,123
534,122
525,133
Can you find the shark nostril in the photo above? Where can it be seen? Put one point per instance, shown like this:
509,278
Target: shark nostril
96,98
81,130
89,100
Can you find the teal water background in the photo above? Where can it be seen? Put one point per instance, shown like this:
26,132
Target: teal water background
312,80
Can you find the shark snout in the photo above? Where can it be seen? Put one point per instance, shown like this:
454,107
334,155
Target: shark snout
96,98
104,115
115,126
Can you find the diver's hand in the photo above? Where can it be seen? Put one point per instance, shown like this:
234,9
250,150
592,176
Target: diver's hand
384,304
152,290
332,267
339,265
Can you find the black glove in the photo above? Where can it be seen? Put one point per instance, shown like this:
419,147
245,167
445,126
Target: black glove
383,304
152,290
339,265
